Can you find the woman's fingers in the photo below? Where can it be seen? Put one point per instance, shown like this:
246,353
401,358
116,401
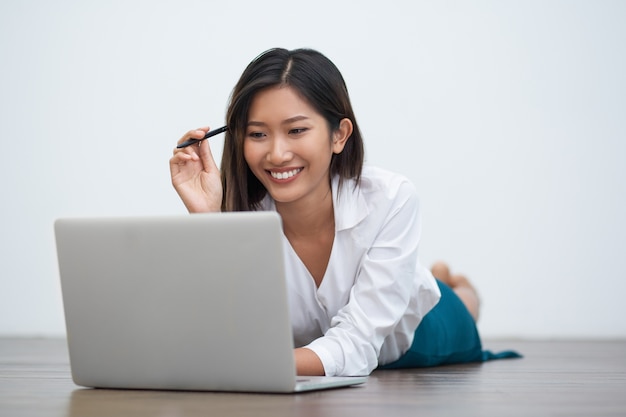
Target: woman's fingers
181,158
193,134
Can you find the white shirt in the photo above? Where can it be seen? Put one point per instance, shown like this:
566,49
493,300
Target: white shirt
374,292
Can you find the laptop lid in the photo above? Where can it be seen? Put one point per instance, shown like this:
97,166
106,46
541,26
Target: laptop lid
193,302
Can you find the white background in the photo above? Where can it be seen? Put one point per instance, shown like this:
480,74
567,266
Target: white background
509,116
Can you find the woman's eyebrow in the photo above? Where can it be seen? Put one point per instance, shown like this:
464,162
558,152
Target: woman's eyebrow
290,120
255,123
294,119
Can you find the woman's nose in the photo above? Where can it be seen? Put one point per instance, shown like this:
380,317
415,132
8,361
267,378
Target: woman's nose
279,151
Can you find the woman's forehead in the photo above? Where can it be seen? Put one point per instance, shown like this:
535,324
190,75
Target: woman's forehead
280,104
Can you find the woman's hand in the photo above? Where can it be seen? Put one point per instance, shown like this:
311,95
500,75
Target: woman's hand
195,175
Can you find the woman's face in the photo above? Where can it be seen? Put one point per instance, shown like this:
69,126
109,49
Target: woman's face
288,146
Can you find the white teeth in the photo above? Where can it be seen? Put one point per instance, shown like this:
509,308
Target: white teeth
286,174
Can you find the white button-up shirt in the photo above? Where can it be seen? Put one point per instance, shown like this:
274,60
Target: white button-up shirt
374,292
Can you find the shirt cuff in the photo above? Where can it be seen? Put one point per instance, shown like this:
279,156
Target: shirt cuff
328,361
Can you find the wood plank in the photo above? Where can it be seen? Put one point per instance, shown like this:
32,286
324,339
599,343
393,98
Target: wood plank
573,378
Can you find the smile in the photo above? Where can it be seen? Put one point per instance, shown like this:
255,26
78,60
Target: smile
286,174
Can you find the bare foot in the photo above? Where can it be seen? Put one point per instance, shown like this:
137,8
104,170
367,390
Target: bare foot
460,285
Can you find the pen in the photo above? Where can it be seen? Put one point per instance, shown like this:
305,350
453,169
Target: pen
208,135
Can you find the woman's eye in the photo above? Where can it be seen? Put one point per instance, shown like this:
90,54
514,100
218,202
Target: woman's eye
297,131
256,135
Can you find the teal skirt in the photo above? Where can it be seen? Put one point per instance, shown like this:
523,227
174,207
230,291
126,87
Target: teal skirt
446,335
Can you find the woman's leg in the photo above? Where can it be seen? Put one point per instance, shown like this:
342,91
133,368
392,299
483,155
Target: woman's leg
460,285
448,333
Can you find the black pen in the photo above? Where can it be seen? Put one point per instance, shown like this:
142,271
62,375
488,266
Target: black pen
208,135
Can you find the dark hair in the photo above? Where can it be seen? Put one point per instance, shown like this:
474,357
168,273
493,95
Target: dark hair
319,82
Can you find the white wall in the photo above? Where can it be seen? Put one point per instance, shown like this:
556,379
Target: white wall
508,115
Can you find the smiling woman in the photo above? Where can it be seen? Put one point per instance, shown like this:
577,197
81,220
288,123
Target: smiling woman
316,86
359,297
288,140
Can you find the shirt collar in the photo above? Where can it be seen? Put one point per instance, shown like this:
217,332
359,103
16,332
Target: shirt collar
349,204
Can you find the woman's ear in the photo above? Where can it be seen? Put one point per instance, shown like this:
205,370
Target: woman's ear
341,135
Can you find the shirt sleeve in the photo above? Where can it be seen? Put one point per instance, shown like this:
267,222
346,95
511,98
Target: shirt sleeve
382,289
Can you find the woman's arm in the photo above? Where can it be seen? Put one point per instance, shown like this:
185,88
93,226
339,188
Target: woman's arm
386,286
308,363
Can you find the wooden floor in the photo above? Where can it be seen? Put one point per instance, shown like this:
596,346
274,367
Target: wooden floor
555,378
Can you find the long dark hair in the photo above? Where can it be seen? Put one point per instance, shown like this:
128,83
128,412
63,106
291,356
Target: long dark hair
320,83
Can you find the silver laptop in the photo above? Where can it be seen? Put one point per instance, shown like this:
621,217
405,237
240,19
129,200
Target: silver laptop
192,302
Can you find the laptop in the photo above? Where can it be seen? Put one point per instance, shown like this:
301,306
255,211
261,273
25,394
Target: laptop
191,302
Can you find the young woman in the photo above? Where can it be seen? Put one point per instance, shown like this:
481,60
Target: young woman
359,298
